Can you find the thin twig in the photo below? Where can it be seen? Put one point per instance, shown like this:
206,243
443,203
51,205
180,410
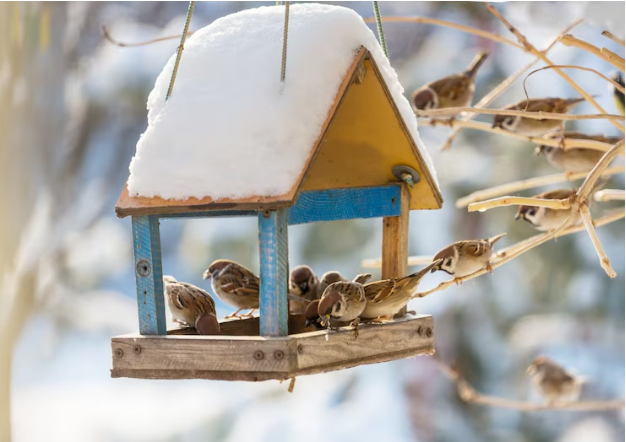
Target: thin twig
108,37
614,58
588,222
486,127
531,49
570,40
518,201
609,195
434,21
452,111
377,263
615,38
571,66
531,183
499,89
469,394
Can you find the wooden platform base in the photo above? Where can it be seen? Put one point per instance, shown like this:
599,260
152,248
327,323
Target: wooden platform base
252,358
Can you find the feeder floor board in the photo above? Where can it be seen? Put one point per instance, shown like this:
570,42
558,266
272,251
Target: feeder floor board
254,358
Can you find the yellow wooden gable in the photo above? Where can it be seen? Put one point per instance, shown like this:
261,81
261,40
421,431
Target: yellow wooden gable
362,139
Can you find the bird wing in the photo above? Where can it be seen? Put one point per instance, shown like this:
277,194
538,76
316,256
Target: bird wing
239,281
378,291
187,296
557,194
475,248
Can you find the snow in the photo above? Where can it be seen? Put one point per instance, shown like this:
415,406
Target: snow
229,130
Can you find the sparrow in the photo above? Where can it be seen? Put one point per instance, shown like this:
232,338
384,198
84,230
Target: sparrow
327,279
302,283
531,127
574,159
453,91
463,258
544,218
191,306
235,285
387,297
343,301
553,382
618,95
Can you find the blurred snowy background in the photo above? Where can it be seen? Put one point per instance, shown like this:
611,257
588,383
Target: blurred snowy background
72,108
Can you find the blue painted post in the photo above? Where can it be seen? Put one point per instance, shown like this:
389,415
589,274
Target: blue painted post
273,251
149,275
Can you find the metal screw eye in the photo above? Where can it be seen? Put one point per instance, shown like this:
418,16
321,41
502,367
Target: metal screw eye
279,354
143,267
119,353
136,349
259,355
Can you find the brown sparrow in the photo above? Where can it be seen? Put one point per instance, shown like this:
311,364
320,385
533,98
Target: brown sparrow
387,297
327,279
453,91
553,382
302,283
535,128
191,306
343,301
235,285
544,218
574,159
463,258
312,317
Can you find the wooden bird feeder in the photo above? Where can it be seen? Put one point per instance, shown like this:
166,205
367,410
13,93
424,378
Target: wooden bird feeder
354,170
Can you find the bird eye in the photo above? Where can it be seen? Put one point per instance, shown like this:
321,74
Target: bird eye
339,306
532,212
448,262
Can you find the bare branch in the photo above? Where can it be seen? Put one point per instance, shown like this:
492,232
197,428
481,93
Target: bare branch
570,40
377,263
615,84
518,201
588,222
108,37
609,195
613,37
452,111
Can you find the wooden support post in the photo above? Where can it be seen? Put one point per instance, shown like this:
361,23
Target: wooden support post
149,275
396,242
273,226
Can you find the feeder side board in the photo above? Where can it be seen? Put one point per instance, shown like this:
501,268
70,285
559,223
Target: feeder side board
273,227
396,242
149,275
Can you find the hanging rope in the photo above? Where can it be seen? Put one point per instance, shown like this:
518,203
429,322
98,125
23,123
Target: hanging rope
379,25
179,51
285,31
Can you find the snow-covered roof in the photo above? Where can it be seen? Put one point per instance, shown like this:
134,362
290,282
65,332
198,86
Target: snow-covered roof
230,130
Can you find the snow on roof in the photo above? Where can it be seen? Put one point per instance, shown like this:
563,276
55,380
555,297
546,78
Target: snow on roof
227,130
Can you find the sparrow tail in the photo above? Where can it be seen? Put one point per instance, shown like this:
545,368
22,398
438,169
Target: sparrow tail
496,238
476,63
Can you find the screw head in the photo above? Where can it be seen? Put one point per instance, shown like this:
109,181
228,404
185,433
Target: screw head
143,267
429,332
119,353
259,355
279,354
420,330
136,349
300,349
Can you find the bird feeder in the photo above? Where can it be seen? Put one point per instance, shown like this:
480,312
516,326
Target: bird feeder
358,167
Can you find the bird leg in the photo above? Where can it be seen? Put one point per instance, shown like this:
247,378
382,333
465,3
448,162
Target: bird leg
234,315
355,324
489,268
458,281
249,314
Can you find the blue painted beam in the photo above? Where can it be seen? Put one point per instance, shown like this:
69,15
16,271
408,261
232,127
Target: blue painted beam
149,275
212,214
273,251
349,203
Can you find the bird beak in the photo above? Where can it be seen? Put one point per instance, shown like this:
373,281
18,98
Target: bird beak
519,215
434,269
537,151
531,370
307,323
206,274
495,124
304,286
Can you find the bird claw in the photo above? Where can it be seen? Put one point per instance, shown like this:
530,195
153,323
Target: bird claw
458,281
250,314
355,324
489,268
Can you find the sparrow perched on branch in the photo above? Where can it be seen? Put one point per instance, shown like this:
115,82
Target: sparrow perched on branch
453,91
191,306
544,218
617,94
531,127
303,283
574,159
343,301
553,382
387,297
235,285
463,258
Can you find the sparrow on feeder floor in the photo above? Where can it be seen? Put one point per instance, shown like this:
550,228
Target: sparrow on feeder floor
303,283
463,258
235,285
531,127
343,301
574,159
545,218
327,279
387,297
191,306
553,382
453,91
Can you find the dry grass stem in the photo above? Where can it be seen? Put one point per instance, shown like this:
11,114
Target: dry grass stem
452,111
570,40
377,263
518,201
613,37
531,49
292,384
469,394
530,183
609,195
486,127
587,187
434,21
615,84
108,37
613,57
588,222
499,89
